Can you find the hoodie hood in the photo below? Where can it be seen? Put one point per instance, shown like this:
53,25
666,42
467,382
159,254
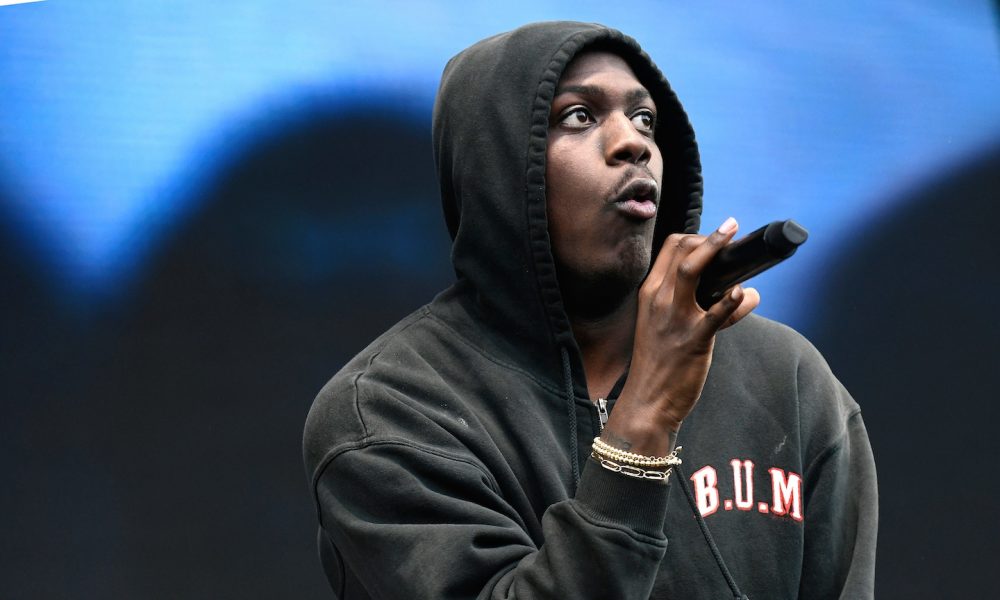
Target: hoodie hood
490,129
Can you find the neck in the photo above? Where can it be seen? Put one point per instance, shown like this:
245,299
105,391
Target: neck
606,345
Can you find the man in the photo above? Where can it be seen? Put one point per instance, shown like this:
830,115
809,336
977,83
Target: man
454,457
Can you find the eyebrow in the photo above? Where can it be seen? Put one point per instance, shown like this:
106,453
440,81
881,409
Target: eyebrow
631,97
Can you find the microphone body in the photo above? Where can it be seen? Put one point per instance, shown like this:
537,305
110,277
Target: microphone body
749,256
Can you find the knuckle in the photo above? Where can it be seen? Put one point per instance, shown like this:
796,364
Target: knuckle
681,241
674,239
724,312
687,271
660,303
647,292
715,319
692,241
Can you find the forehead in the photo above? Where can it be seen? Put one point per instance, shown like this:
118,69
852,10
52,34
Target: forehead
598,65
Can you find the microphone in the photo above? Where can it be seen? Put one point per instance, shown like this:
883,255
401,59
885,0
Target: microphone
749,256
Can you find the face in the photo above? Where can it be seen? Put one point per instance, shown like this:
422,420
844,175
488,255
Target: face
603,175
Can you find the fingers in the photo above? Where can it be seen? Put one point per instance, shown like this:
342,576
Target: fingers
736,304
681,260
674,278
674,248
751,299
690,269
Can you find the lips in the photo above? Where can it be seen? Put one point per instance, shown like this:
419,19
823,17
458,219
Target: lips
637,199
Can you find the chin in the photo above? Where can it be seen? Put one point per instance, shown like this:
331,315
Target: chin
594,290
634,261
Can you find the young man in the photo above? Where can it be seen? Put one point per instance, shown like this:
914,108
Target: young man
455,456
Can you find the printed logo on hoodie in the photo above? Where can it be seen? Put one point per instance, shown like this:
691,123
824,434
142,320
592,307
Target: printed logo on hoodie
784,498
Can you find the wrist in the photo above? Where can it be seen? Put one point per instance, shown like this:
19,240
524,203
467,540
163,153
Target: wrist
655,407
636,433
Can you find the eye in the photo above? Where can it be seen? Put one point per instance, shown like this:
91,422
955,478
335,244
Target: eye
644,121
577,117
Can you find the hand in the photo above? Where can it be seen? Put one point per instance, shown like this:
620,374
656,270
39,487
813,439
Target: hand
674,339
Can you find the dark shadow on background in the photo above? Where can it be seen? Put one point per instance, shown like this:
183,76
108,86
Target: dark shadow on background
58,500
308,245
911,327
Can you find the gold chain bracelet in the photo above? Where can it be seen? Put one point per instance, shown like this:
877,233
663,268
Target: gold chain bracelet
632,471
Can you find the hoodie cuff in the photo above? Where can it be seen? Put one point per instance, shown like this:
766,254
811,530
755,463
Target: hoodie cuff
625,501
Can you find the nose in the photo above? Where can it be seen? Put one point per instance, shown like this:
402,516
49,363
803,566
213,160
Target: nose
624,143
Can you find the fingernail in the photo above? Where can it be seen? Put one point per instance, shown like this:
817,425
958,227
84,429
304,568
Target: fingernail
728,226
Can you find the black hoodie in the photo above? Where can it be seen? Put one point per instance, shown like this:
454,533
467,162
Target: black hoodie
449,458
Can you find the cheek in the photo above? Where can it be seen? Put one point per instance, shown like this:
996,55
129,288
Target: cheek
569,173
656,165
558,170
560,189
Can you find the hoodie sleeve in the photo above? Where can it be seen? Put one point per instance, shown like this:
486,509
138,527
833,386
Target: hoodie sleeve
415,523
841,520
841,495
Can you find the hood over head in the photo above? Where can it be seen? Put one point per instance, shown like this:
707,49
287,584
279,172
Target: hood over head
490,129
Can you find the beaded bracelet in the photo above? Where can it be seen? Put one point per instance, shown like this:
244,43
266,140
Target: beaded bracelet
603,450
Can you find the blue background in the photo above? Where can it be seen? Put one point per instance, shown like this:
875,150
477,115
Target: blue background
206,208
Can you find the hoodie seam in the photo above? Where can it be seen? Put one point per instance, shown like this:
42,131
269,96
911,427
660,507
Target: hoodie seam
404,443
834,446
371,361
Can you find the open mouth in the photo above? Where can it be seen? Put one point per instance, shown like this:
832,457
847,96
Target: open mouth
638,199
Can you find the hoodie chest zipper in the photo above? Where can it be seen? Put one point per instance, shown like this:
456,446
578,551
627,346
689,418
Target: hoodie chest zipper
602,411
